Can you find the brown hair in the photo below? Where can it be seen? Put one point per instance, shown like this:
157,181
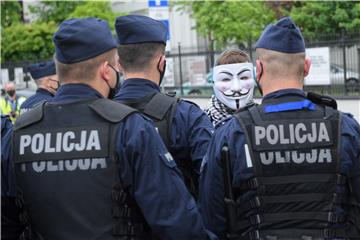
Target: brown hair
282,64
84,70
138,57
232,56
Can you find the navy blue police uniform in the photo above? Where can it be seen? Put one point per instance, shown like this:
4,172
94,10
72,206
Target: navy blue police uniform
10,222
91,168
294,170
184,127
38,71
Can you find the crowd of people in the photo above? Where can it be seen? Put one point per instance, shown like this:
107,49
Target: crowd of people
90,158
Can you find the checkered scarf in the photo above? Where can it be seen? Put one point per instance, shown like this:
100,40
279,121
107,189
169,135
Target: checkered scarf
217,111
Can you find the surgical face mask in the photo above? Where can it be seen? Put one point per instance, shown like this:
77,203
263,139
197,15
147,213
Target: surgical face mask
11,93
234,84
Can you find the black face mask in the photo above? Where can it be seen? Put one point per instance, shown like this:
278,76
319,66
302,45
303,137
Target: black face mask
258,80
162,73
114,90
11,93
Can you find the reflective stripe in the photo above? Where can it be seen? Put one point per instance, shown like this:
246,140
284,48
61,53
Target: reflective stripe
306,104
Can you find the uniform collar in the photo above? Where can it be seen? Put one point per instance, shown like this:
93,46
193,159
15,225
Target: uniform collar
44,91
134,88
74,92
290,92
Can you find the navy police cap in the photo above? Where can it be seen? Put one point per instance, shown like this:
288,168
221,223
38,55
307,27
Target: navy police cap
132,29
43,69
79,39
283,36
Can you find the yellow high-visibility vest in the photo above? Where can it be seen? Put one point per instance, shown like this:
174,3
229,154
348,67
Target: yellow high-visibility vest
6,106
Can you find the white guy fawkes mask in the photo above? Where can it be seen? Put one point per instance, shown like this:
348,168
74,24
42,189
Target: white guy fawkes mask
234,84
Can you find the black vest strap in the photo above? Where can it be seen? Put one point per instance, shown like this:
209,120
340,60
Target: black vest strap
30,117
112,111
159,105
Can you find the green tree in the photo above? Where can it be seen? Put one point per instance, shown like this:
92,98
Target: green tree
56,11
27,41
327,18
229,21
10,13
96,9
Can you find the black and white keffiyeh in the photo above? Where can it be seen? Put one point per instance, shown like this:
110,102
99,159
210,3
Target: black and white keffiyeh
217,111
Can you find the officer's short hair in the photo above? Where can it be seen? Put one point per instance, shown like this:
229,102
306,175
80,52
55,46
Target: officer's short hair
282,64
232,56
137,57
84,70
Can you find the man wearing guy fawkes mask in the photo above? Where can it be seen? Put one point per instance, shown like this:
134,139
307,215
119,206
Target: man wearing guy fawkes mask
233,81
183,126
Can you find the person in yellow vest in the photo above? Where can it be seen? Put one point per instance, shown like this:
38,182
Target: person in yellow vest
10,104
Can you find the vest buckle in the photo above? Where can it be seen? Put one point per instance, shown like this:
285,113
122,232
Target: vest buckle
255,202
253,183
334,218
340,179
255,219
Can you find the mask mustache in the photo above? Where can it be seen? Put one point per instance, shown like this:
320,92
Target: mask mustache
236,94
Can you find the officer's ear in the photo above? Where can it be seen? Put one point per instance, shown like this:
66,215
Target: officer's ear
259,69
161,63
105,71
307,66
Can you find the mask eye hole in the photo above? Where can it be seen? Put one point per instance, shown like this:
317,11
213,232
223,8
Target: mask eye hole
226,80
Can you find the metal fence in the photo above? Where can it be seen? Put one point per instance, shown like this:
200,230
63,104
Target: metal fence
189,69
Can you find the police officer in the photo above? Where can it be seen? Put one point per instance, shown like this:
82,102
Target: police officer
10,104
292,166
9,211
45,77
91,168
184,127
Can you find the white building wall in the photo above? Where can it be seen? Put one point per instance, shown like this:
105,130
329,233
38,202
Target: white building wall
181,24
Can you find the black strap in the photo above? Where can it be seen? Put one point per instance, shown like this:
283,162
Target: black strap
255,114
256,219
112,111
159,105
314,233
30,117
255,182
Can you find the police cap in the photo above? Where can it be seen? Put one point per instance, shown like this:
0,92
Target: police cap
79,39
283,36
132,29
42,69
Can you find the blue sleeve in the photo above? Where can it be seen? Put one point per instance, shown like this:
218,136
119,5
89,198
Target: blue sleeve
10,223
197,129
211,200
350,152
155,182
8,187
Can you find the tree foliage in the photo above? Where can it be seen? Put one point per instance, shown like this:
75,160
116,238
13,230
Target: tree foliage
10,13
33,41
27,41
229,21
96,9
56,11
327,18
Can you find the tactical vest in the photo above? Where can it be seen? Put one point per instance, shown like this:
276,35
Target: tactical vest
69,173
161,108
295,157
